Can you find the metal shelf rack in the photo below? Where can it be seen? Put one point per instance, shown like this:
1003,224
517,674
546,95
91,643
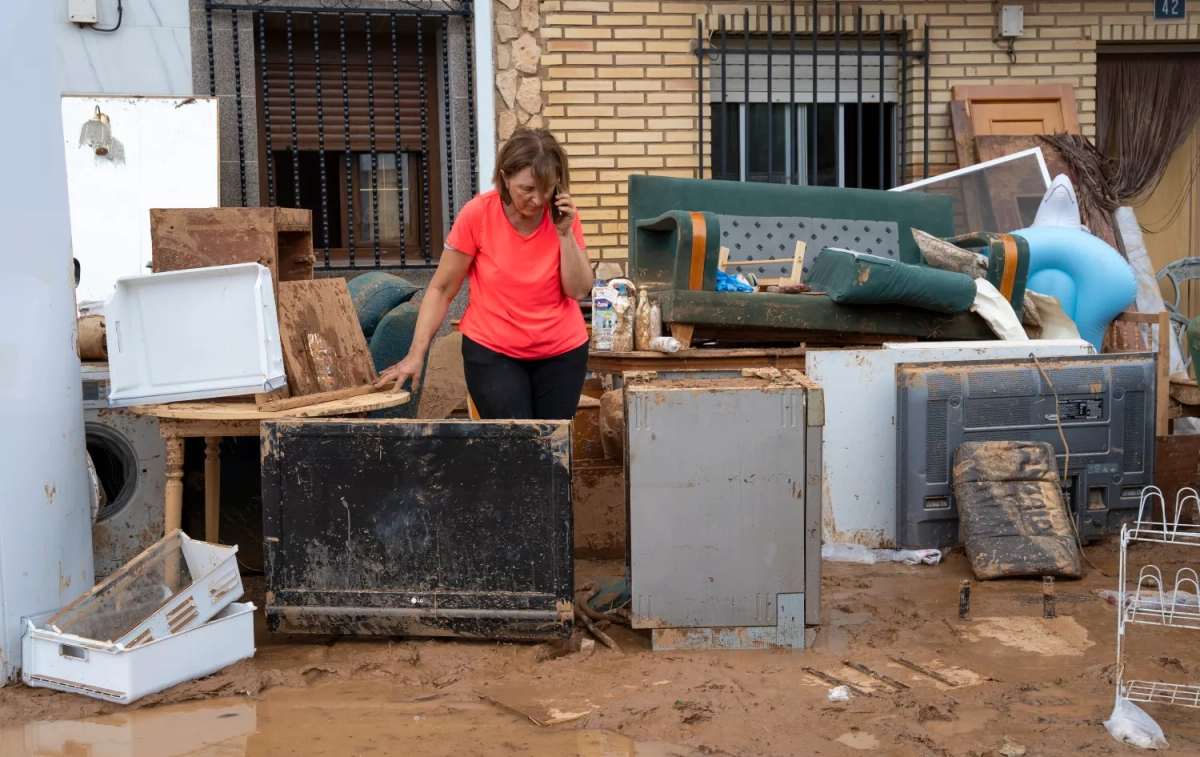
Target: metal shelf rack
1151,603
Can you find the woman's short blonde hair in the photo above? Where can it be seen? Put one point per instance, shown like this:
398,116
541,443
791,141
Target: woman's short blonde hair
538,150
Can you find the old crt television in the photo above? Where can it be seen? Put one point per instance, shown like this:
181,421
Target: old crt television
1104,402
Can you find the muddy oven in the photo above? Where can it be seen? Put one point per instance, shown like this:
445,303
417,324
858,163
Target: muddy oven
398,527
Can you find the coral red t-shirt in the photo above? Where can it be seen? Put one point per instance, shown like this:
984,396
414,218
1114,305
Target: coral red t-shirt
517,306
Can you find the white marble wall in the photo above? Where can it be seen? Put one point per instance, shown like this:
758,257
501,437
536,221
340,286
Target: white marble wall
149,55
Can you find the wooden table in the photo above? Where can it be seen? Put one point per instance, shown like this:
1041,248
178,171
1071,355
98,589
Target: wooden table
696,359
214,420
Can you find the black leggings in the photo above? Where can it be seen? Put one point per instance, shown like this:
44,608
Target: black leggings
506,388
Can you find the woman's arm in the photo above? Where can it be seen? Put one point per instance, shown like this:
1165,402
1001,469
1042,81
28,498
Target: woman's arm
447,280
574,268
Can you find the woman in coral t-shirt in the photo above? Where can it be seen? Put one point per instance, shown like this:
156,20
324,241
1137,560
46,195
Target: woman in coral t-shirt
525,346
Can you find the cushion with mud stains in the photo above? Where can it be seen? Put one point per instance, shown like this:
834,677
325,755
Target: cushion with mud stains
1011,513
855,278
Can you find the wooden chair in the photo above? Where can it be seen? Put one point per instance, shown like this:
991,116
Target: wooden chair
1118,340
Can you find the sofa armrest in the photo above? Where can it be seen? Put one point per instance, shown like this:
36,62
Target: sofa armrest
1008,262
677,250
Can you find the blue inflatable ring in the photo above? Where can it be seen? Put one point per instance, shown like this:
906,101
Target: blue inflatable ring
1091,279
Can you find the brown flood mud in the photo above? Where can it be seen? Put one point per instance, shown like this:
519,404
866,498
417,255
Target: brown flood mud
1022,682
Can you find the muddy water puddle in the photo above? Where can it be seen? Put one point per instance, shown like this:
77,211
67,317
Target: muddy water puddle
346,720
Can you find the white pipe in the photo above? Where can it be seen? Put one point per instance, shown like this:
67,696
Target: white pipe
485,94
45,517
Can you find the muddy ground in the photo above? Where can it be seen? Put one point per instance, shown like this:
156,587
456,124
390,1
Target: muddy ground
1023,682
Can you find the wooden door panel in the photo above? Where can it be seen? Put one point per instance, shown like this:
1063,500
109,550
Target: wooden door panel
1020,110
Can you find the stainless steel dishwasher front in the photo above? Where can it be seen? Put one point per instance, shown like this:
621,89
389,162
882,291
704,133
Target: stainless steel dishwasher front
724,507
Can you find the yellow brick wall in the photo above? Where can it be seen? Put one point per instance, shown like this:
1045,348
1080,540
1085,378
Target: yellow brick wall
619,78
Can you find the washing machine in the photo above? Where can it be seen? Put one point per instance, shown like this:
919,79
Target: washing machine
131,460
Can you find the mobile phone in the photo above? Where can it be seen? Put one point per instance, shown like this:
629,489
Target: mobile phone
555,213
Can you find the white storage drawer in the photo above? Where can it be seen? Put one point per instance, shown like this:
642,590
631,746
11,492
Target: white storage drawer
177,584
194,334
117,674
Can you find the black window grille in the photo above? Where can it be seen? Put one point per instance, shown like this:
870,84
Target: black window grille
851,128
354,123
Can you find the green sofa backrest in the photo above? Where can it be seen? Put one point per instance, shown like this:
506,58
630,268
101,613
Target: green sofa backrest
652,196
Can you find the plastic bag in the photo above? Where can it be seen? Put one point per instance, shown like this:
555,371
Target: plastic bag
839,694
642,321
1129,724
727,283
623,309
857,553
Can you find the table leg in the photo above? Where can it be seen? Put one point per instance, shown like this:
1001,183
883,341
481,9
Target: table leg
174,503
212,488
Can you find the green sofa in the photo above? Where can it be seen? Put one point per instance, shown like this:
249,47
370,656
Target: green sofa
676,237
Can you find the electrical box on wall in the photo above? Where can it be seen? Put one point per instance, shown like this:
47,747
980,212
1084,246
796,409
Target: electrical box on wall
81,11
1012,20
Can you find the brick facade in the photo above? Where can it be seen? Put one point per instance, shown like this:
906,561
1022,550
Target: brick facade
619,77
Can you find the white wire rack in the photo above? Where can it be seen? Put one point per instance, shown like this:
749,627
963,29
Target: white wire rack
1187,695
1151,602
1168,530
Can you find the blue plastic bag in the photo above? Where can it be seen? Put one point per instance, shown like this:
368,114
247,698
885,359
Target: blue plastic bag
727,283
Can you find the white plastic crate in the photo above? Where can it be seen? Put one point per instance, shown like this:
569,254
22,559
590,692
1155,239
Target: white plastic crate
115,673
177,584
195,334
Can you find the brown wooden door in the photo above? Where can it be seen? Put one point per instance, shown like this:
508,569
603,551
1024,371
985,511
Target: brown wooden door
1020,110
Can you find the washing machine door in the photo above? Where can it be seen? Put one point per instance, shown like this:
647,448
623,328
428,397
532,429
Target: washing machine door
130,462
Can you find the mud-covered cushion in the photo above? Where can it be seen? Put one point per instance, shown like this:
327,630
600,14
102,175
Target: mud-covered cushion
1012,519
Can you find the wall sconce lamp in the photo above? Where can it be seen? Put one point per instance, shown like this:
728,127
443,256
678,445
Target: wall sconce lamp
97,133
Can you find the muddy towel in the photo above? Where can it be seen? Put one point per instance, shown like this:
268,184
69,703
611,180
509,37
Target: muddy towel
855,278
1011,512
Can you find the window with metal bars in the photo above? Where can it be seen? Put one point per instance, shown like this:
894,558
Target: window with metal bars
321,146
831,107
766,153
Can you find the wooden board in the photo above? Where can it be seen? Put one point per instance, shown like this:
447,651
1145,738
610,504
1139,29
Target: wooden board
1017,109
278,238
246,411
964,134
287,403
322,308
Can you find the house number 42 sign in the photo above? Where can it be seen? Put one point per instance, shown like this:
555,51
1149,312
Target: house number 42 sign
1168,9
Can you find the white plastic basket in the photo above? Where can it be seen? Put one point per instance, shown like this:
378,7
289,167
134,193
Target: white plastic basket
115,673
177,584
194,334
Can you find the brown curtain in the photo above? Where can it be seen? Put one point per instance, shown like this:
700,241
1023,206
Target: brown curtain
1147,105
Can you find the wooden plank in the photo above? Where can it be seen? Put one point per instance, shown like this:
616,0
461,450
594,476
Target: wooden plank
322,308
964,134
245,411
313,399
